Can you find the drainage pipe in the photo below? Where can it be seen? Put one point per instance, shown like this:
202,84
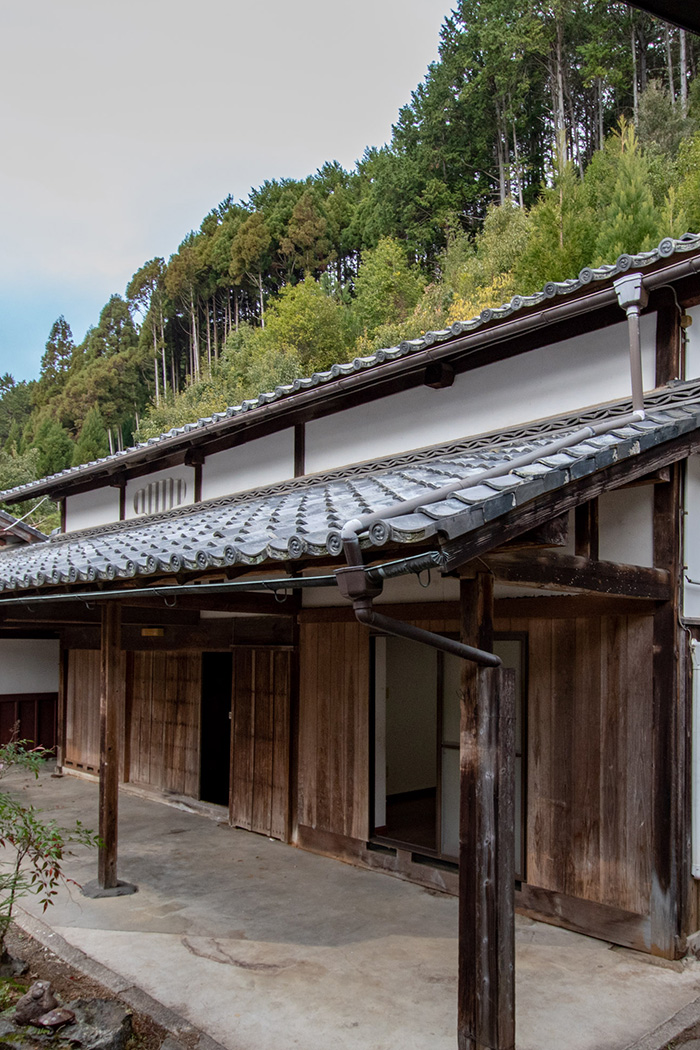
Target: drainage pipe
365,614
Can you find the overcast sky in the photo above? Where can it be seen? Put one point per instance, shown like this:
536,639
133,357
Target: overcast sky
124,123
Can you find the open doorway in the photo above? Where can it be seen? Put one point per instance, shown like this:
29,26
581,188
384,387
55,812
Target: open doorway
416,745
215,760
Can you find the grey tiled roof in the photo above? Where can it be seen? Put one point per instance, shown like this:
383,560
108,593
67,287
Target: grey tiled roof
304,520
553,289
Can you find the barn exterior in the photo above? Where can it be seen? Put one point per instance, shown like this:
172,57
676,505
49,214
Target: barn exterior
433,612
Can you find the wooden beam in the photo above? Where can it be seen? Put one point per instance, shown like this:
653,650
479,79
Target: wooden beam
552,570
486,991
571,606
111,689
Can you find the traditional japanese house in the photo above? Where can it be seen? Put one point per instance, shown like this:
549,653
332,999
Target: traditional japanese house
460,575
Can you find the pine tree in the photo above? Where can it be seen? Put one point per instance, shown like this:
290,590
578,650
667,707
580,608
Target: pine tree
92,440
631,223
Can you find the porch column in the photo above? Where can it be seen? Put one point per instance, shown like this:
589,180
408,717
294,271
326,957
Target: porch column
112,691
486,1010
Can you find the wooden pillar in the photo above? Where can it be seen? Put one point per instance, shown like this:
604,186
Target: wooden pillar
670,864
486,1009
112,693
111,689
61,708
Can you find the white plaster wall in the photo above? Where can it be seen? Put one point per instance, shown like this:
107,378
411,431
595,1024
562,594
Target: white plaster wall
692,345
262,462
28,665
691,537
411,716
182,472
626,525
90,509
582,371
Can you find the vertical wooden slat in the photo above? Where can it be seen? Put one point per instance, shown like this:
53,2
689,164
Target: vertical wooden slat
279,826
586,759
541,811
486,994
111,694
242,739
261,819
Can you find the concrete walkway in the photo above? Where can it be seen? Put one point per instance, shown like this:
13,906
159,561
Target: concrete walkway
265,947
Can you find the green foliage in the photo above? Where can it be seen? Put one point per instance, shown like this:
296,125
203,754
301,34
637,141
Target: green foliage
689,180
33,847
56,361
55,447
92,440
387,288
631,222
15,407
115,332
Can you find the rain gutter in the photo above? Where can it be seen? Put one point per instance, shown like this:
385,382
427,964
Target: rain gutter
376,574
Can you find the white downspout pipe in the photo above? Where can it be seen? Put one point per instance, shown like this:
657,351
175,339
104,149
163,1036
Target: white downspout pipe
695,762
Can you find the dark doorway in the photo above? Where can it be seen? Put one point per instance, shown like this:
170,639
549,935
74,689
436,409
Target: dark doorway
216,728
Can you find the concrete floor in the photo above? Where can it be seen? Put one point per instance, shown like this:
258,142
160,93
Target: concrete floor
265,947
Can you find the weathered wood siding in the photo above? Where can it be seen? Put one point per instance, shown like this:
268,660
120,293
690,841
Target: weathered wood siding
163,709
589,828
334,681
82,731
260,741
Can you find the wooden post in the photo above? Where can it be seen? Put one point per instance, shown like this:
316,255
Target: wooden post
61,708
670,719
112,692
110,689
486,1009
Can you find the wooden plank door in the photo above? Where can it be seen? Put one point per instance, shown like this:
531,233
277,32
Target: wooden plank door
260,741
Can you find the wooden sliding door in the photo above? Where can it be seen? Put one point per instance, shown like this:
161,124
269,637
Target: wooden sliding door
260,741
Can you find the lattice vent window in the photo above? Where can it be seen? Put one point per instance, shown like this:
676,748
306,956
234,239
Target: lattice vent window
160,495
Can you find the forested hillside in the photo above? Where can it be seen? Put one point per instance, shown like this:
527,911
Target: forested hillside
547,136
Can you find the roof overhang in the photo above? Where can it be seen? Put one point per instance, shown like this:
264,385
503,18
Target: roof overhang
464,499
683,13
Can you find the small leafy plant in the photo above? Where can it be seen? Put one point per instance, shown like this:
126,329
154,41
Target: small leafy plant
34,847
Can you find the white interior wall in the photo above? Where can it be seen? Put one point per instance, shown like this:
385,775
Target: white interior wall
380,732
411,714
29,665
626,525
262,462
692,345
134,486
578,372
90,509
